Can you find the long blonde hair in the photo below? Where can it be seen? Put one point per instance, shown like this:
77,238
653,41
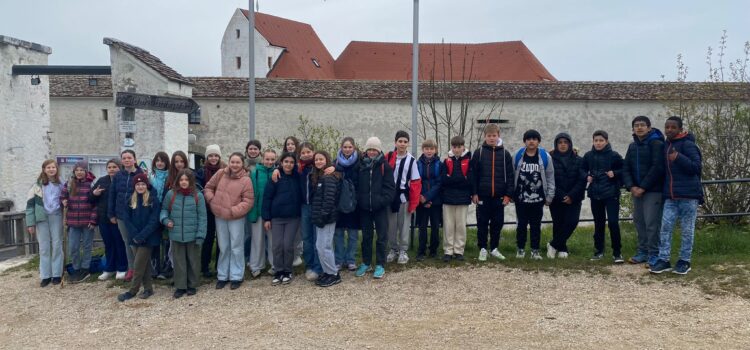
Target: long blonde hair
134,199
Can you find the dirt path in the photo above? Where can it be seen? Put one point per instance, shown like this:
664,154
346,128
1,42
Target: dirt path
439,308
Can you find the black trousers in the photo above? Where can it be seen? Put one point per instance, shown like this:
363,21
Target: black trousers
529,215
378,219
208,243
606,210
433,216
565,219
490,213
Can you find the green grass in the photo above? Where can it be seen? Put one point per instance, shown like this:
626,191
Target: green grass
720,261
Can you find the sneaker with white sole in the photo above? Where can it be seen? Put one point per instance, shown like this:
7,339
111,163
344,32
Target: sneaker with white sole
106,275
482,255
120,275
535,255
403,258
551,251
311,275
520,254
391,256
562,255
297,261
496,253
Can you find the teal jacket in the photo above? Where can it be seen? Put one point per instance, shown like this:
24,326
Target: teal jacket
35,212
260,177
188,213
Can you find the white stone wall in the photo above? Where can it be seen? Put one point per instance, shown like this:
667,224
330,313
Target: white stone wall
24,123
79,126
233,47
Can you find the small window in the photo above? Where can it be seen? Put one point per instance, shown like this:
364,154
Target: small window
270,62
315,62
492,121
93,82
239,62
238,33
195,117
105,114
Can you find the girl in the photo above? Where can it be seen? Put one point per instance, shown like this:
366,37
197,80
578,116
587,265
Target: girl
282,203
114,247
44,218
230,195
179,161
259,236
202,177
159,178
291,145
347,162
142,221
252,158
323,212
81,219
118,200
184,215
304,169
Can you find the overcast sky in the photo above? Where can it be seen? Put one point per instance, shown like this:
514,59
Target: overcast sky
636,40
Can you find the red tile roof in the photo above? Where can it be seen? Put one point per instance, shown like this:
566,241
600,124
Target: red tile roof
302,46
499,61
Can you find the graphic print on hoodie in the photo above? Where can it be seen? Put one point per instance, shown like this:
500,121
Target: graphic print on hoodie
530,180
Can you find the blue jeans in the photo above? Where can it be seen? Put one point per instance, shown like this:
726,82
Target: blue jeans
309,238
324,247
49,235
231,236
346,248
80,242
114,248
686,210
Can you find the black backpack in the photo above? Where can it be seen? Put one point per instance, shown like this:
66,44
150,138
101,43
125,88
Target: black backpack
347,196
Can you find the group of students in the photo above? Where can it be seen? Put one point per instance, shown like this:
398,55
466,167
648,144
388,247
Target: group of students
263,207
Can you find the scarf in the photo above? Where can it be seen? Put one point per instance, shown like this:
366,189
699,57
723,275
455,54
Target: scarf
185,191
210,170
158,179
346,162
368,162
302,164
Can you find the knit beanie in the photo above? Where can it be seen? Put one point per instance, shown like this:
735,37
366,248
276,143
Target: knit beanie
213,149
374,143
142,177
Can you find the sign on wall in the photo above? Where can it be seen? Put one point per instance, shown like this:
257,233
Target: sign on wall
156,103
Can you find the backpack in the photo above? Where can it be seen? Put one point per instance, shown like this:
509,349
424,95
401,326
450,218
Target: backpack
347,196
464,166
542,153
174,196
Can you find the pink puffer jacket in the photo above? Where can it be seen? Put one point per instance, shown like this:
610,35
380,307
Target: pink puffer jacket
230,195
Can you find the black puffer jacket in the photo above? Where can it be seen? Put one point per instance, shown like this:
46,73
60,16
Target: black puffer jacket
325,200
456,187
570,179
596,164
492,170
644,163
101,201
375,185
282,199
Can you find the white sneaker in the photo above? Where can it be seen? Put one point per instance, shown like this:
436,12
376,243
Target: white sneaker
121,275
106,275
483,255
520,254
311,275
403,258
255,273
551,251
496,253
297,261
391,256
535,255
562,255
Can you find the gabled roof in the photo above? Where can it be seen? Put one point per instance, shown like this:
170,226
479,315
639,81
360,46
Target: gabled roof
498,61
302,45
150,60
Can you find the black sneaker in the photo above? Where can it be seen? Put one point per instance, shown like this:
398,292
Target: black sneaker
286,278
618,259
221,284
178,293
420,257
207,274
191,291
331,280
125,296
459,257
682,267
146,293
447,258
83,275
73,277
277,279
56,280
235,284
661,266
597,257
323,276
45,282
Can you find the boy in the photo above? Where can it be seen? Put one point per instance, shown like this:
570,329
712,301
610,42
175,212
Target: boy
683,193
492,188
535,186
430,204
455,194
643,175
408,189
258,235
570,185
603,168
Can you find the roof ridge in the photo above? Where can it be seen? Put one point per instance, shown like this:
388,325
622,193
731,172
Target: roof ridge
149,60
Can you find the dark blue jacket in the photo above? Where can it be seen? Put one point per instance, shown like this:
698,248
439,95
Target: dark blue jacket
305,183
143,222
644,163
456,187
430,173
282,199
119,193
350,220
683,175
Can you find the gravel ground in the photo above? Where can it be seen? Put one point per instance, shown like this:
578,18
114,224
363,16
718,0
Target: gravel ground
486,307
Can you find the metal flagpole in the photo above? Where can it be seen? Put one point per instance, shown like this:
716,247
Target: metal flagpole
251,69
414,80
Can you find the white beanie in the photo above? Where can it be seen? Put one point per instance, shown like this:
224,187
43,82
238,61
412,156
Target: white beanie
374,143
213,149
